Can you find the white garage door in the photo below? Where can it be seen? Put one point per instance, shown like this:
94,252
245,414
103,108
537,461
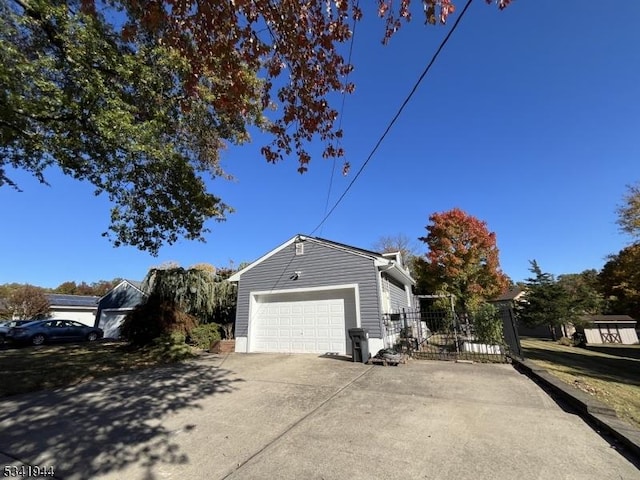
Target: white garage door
300,326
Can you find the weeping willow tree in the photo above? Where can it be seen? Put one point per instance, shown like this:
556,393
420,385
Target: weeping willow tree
198,291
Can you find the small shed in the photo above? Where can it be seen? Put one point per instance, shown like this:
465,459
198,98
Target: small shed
610,329
114,306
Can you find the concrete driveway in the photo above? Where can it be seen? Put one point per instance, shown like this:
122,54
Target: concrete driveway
299,417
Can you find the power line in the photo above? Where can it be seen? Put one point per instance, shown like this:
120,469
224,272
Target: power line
344,95
404,104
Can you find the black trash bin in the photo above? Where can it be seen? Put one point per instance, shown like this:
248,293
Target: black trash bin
359,344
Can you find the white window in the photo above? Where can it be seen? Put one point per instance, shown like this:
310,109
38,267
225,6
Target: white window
299,248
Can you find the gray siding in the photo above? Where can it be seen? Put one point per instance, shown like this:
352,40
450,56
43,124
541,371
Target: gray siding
320,266
397,293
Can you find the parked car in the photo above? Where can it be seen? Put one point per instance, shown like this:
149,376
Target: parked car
5,326
44,331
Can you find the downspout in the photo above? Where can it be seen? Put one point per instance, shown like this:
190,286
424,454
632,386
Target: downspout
383,329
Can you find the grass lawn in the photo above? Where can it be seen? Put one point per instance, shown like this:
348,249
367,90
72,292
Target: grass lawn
28,369
611,373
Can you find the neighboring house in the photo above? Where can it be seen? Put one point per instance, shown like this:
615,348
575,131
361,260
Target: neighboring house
610,329
73,307
114,306
304,296
510,297
517,294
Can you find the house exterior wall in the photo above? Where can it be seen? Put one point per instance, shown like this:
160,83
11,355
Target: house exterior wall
394,293
319,266
81,308
84,316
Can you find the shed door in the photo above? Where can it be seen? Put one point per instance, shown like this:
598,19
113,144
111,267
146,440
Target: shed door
314,322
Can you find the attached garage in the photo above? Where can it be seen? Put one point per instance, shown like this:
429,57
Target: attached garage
305,295
309,321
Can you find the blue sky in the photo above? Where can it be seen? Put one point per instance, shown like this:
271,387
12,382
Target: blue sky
529,120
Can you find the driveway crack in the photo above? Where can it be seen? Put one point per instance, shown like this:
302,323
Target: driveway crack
297,422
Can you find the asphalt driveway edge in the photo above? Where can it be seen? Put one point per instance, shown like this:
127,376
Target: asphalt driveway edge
592,410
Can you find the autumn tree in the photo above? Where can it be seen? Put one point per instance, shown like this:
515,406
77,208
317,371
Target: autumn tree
584,291
99,288
462,260
66,288
102,287
620,281
6,290
27,302
629,212
139,97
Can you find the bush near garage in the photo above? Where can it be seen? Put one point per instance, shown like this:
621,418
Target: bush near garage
204,335
154,319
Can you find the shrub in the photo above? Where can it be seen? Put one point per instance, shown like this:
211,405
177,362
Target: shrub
488,324
566,341
170,347
204,335
154,319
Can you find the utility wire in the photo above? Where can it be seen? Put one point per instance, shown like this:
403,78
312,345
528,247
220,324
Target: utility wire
344,95
404,104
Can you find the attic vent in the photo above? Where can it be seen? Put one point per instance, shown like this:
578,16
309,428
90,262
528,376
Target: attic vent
299,248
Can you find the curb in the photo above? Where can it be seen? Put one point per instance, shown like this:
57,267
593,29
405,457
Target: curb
595,412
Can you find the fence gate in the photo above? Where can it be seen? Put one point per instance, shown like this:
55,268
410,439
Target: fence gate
439,334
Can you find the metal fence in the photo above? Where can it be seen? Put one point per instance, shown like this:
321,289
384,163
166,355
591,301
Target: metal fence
439,334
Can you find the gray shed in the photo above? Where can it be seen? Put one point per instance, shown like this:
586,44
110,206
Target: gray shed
304,296
114,306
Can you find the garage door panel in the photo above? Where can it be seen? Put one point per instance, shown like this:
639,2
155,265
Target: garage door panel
303,326
110,323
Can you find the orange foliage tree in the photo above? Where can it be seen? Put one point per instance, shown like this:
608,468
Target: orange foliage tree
139,97
462,260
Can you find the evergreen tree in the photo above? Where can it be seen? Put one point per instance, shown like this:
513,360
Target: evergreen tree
620,281
546,301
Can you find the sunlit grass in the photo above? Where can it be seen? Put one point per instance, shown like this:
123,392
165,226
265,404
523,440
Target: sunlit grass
609,373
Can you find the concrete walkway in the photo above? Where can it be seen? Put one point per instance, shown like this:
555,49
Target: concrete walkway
300,417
